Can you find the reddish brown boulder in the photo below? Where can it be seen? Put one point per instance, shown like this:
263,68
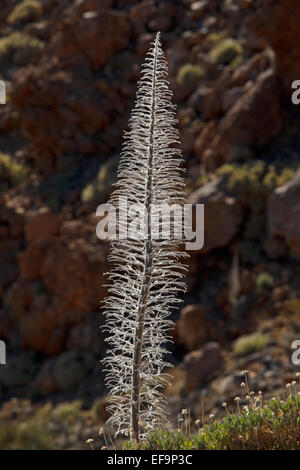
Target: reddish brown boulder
20,298
45,382
31,259
60,284
47,98
72,277
108,30
60,110
193,328
12,222
278,24
254,120
141,14
222,215
256,117
42,225
284,214
201,366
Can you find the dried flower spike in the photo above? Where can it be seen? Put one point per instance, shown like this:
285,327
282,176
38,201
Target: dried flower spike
147,273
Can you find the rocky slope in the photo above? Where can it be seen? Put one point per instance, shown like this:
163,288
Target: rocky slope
71,70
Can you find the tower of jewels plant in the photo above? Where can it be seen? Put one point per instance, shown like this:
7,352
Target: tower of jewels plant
146,272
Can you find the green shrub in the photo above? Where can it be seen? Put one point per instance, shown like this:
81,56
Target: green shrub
227,51
246,179
248,344
274,426
66,413
47,426
263,283
11,173
30,435
98,191
25,11
18,47
190,74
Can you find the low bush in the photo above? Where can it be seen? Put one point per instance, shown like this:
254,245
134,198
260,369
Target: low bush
18,47
248,344
11,172
31,435
263,283
275,426
25,11
190,74
227,52
98,190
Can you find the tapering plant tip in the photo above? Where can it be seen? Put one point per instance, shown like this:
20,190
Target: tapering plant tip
157,41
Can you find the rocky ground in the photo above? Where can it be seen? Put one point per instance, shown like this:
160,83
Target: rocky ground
71,69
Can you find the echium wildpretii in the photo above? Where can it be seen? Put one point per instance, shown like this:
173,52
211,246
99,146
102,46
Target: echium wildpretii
146,274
